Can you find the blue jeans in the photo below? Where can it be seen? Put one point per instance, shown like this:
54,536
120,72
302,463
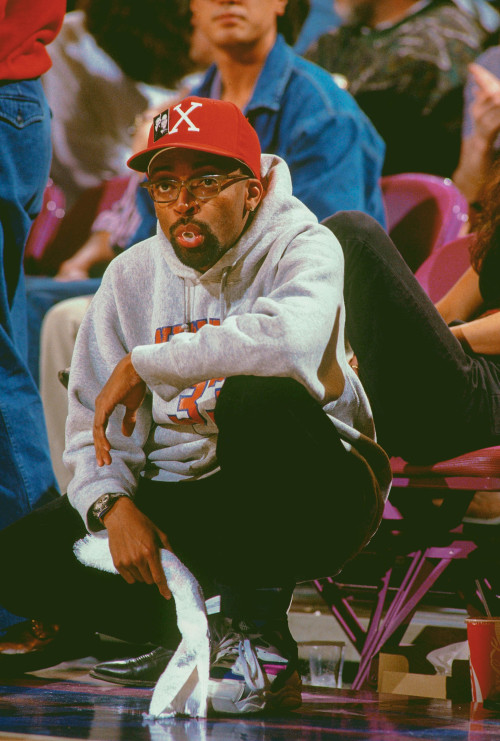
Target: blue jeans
27,479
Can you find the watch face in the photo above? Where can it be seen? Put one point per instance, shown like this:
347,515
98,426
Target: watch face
101,504
101,507
104,503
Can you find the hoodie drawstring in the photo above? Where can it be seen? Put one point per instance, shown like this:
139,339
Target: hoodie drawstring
187,306
222,300
188,292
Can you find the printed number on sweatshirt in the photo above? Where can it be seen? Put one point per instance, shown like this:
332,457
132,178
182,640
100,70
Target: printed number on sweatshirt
196,404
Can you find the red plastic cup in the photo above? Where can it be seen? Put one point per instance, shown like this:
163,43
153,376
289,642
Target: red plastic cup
483,635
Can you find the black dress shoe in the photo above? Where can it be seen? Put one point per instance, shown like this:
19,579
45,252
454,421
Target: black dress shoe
33,645
143,671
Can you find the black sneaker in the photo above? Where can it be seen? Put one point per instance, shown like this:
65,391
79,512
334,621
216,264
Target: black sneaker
251,669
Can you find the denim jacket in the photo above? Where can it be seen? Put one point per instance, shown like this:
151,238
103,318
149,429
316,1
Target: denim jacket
333,151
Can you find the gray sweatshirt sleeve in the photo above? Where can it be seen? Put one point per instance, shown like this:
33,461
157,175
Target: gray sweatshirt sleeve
99,347
294,329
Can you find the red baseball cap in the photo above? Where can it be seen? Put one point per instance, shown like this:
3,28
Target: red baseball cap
203,124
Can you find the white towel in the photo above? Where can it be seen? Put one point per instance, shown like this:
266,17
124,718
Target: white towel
183,686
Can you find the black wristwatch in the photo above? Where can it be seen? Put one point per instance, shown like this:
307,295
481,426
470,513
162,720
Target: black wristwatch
101,506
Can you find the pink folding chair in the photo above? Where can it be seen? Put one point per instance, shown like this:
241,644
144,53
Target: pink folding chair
414,554
445,266
45,225
423,522
423,212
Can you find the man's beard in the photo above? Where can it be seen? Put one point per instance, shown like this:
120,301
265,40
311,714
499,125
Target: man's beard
201,257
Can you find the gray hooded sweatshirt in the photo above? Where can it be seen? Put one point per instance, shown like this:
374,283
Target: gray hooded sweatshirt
271,306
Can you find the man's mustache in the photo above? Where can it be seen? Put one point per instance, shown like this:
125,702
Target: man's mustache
186,220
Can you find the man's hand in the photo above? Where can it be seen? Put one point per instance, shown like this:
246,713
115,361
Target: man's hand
69,271
97,251
135,542
124,386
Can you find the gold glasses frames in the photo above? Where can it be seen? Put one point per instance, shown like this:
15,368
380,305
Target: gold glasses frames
201,187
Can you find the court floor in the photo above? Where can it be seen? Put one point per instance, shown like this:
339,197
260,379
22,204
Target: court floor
66,703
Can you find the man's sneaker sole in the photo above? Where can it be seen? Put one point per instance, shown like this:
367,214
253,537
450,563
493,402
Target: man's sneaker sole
234,697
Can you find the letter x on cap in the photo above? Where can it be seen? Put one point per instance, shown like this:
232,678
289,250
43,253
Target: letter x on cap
202,124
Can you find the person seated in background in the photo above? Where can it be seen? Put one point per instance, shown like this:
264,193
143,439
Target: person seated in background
481,127
405,62
221,329
432,373
334,154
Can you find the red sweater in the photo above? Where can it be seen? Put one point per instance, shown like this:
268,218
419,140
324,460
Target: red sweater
26,27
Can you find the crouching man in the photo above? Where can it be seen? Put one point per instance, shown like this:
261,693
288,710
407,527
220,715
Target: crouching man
212,411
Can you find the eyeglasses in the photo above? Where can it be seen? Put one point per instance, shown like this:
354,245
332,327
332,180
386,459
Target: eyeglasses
202,187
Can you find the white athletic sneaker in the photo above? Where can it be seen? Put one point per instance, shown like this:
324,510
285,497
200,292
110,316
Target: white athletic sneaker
251,671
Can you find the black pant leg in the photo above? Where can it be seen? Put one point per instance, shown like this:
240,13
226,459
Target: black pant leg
425,391
40,577
317,501
290,503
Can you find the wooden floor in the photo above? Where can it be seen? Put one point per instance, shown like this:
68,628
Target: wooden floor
65,703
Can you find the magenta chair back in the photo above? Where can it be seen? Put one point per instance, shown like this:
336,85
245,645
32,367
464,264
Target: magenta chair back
423,213
45,226
445,266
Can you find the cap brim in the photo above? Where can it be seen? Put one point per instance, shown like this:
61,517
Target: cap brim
141,161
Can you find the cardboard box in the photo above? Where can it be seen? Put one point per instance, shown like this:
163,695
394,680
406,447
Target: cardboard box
395,677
